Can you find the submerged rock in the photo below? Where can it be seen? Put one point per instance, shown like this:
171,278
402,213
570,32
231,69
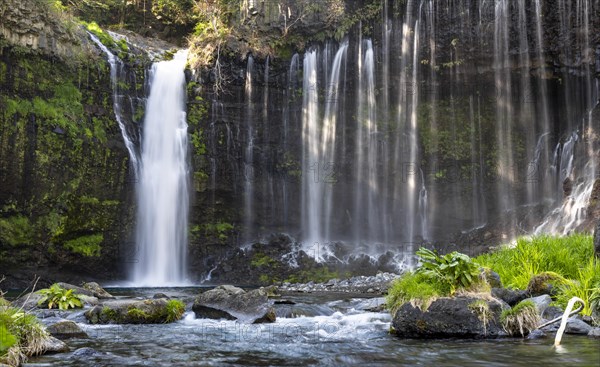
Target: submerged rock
86,352
594,333
462,317
66,329
232,303
149,311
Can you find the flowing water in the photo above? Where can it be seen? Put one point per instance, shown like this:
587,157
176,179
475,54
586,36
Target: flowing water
116,65
163,192
318,330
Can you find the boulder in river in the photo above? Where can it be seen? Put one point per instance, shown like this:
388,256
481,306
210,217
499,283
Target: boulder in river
456,317
232,303
97,290
149,311
66,329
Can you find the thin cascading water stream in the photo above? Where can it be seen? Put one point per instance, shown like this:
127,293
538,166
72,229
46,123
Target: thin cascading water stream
163,189
504,117
115,66
249,173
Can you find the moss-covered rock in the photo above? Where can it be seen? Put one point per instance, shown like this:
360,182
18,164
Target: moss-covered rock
149,311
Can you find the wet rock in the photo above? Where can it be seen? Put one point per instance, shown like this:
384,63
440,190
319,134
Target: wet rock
88,300
512,297
594,332
66,329
536,334
28,301
492,278
86,352
232,303
375,284
449,318
541,302
97,290
552,312
53,345
149,311
576,326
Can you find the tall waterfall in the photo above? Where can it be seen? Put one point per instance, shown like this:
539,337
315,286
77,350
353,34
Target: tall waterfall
163,189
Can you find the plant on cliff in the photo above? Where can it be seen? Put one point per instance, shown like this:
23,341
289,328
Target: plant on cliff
21,335
521,319
56,296
16,230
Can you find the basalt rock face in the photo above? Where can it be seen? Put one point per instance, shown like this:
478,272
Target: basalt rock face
38,26
252,170
65,185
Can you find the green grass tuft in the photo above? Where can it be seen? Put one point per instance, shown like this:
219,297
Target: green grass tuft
21,335
416,288
521,319
175,309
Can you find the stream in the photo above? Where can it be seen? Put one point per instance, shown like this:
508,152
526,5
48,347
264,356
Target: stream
311,330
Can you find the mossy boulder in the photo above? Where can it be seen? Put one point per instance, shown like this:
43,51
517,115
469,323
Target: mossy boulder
450,317
233,303
66,329
544,283
149,311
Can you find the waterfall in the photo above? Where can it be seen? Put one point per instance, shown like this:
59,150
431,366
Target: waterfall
318,148
249,173
163,192
115,67
504,116
367,212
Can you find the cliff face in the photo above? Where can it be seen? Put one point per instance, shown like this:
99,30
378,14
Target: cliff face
65,191
476,112
435,123
38,25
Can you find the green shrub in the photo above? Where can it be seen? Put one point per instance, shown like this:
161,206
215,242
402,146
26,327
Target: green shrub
56,296
521,319
456,270
416,288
